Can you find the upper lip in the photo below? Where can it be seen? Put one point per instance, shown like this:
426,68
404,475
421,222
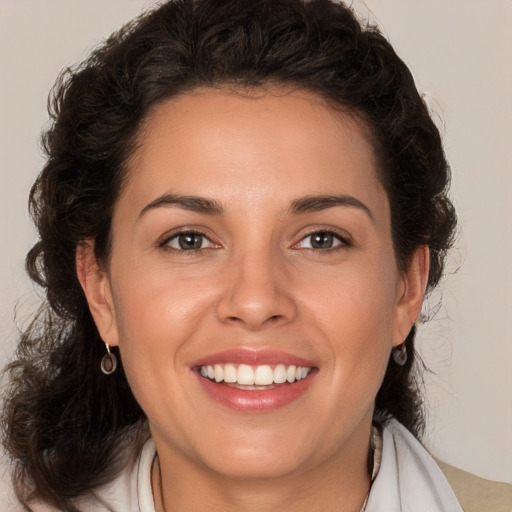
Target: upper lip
253,358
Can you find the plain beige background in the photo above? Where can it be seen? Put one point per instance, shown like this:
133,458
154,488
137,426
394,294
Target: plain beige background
460,52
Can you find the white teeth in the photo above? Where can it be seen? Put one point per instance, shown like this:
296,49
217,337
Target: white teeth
280,374
229,373
290,373
245,375
263,375
219,372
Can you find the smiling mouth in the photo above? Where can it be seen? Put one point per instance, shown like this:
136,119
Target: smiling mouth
258,382
259,377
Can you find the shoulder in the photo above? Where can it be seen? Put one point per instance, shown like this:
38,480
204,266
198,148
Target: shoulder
476,494
129,491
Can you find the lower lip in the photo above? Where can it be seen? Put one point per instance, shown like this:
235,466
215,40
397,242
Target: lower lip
258,400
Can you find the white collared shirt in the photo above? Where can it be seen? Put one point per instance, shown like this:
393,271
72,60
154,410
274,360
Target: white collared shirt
409,480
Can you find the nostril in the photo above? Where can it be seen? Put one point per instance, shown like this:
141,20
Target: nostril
270,320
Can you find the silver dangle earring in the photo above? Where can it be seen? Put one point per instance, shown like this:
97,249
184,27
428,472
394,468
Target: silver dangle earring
400,354
108,362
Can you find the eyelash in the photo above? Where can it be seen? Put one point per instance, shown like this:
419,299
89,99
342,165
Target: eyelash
165,243
344,242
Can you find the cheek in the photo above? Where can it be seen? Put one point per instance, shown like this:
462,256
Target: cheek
359,331
352,311
158,313
156,316
158,300
355,302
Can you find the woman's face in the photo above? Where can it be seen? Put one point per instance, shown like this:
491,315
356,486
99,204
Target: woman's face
251,246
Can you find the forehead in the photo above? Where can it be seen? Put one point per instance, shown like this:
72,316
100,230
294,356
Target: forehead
224,144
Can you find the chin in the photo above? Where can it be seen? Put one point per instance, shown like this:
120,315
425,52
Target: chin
256,465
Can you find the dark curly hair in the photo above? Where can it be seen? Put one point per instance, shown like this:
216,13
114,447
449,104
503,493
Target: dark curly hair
66,423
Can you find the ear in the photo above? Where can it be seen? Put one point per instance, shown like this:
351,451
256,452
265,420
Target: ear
96,286
410,294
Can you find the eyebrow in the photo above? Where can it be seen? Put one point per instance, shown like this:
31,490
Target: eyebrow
317,203
211,207
191,203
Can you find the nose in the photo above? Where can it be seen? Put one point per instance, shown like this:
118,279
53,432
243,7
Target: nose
257,294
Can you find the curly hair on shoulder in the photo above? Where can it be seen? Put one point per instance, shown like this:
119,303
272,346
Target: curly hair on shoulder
66,424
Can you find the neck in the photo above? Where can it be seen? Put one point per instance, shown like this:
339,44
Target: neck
340,484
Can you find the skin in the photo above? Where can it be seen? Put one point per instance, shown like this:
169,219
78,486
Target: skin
257,283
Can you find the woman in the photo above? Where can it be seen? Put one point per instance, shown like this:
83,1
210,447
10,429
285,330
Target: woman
243,206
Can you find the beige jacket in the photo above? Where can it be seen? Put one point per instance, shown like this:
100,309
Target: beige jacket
476,494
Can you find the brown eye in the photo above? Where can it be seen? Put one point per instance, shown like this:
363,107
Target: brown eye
322,240
189,241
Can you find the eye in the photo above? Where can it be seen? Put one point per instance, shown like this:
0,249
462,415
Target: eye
322,240
188,241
